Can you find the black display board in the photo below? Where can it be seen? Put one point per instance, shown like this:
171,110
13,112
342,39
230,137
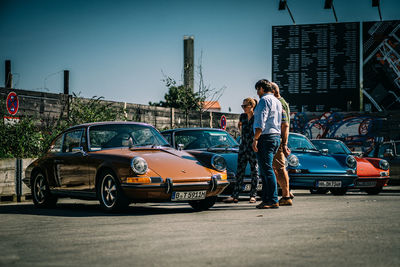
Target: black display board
317,66
381,65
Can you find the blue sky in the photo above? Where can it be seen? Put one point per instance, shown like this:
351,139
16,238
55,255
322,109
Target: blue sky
120,49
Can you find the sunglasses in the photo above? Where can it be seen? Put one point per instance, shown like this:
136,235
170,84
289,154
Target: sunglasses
243,106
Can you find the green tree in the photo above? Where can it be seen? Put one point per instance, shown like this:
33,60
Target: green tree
179,97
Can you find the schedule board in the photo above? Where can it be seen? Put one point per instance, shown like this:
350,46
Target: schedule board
317,66
381,64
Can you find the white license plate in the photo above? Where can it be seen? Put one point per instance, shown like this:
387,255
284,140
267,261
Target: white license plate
247,187
329,184
366,184
188,195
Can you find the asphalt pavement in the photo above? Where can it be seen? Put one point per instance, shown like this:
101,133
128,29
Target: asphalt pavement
318,230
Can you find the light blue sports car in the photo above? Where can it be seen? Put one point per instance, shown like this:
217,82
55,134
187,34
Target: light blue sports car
311,169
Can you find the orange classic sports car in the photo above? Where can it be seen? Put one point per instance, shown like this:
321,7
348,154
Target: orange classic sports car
123,162
373,173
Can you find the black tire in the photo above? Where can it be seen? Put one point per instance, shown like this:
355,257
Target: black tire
373,191
205,204
110,194
41,195
320,191
338,191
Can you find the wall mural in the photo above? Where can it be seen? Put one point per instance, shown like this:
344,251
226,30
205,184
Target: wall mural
357,131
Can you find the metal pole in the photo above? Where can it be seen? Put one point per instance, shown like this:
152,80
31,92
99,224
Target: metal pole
8,75
290,13
18,179
334,12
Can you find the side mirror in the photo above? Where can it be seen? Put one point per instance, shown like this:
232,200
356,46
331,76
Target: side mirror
324,151
388,153
78,150
180,147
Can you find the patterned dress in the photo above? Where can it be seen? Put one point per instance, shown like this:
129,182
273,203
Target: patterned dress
246,155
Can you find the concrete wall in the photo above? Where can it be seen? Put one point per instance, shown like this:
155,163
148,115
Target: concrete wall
8,178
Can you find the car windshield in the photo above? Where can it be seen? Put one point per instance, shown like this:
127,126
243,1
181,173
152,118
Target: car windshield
333,146
202,139
300,142
124,135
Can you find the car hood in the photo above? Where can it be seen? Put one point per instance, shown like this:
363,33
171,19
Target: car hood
231,158
366,169
168,163
316,162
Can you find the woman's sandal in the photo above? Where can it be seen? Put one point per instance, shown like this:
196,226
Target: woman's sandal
231,200
252,200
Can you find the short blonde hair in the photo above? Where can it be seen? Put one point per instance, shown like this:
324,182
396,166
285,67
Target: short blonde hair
250,101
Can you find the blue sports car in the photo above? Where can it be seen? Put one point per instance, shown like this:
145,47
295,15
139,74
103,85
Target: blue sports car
216,141
310,169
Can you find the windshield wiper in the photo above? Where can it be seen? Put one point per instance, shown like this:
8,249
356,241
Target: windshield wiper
222,147
306,149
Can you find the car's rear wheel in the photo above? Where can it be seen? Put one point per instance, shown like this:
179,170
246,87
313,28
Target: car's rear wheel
373,191
41,195
321,191
203,204
110,194
338,191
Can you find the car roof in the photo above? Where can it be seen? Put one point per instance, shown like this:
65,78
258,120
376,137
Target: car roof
107,123
292,133
326,139
192,129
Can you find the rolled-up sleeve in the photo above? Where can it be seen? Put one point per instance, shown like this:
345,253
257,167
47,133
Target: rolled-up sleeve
260,115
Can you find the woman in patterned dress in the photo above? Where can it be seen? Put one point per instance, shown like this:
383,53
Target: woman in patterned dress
246,153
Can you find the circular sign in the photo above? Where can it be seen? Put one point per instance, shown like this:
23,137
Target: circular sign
223,122
12,103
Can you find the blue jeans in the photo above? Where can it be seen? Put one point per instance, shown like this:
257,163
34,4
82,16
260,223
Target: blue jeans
267,147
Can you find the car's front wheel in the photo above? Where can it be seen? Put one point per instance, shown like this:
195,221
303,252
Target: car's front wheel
204,204
373,191
110,194
42,197
338,191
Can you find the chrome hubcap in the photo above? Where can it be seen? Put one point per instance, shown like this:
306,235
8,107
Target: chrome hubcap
40,188
109,191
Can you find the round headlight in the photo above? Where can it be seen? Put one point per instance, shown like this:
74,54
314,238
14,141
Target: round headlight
218,163
351,162
139,165
293,160
384,165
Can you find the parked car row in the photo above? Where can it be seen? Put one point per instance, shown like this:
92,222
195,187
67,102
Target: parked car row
118,163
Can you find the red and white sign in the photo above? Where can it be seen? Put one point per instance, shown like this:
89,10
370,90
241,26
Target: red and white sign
10,120
12,103
223,122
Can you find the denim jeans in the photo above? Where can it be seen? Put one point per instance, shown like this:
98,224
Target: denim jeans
267,147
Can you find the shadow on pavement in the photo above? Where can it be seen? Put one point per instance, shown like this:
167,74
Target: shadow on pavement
92,210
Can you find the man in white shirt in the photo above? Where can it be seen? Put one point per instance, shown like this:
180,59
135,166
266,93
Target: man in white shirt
267,138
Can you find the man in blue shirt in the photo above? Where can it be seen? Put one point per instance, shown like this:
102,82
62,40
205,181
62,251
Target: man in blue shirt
267,132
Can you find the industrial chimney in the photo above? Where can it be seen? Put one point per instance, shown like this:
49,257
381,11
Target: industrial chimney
188,62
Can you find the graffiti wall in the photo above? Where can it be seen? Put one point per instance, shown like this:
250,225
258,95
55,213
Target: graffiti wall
358,130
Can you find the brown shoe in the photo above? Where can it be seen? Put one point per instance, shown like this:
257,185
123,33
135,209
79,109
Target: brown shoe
285,201
231,200
252,200
264,205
